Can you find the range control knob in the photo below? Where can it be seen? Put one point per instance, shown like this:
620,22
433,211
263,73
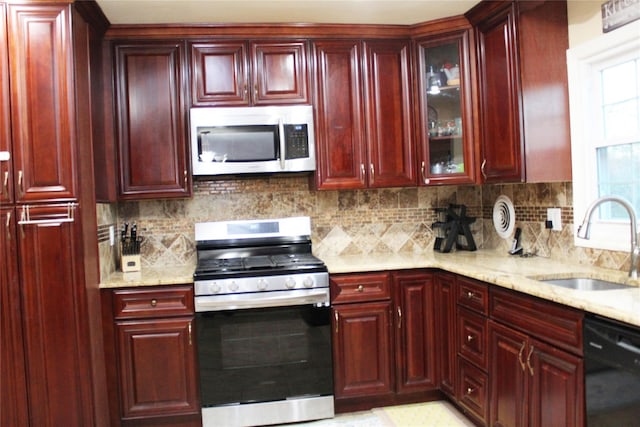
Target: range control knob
308,282
290,283
233,286
262,284
214,288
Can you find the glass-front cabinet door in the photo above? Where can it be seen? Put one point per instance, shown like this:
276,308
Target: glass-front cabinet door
446,131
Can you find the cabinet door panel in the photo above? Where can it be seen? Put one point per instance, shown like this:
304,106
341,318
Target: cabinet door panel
42,112
279,73
508,381
13,387
498,80
6,184
446,331
219,74
340,123
362,349
388,107
151,120
51,311
157,367
557,396
415,342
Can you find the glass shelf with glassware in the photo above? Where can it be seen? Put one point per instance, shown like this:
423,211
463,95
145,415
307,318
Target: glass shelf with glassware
446,156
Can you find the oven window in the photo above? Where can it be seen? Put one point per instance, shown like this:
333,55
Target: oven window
261,355
238,143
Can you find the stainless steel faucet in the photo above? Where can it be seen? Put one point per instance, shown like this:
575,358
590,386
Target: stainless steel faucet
583,229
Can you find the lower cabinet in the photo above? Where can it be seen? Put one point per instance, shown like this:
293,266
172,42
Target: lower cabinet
383,339
155,356
534,383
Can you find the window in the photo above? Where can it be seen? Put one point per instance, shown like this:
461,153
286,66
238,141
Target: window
604,93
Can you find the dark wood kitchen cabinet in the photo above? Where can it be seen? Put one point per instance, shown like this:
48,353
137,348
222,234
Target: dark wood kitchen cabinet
39,133
51,352
151,116
445,311
446,150
154,340
13,381
522,84
364,115
362,340
537,370
381,321
237,73
415,341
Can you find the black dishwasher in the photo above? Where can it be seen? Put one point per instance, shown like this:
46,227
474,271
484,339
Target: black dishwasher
612,373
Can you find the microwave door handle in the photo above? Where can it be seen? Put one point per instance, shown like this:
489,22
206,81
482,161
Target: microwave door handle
282,145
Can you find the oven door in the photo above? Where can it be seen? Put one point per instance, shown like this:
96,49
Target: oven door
262,356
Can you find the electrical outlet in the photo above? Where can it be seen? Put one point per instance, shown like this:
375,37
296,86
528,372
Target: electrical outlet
112,235
555,216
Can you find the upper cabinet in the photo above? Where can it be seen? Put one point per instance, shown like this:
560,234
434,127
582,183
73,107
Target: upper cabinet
37,111
522,83
364,129
151,120
445,139
236,73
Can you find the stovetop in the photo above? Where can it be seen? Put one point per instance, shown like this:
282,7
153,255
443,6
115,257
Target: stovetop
258,265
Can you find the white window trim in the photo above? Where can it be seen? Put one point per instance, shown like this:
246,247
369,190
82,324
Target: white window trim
581,63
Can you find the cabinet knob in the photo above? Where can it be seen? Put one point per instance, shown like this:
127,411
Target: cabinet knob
470,390
360,288
469,338
471,295
154,302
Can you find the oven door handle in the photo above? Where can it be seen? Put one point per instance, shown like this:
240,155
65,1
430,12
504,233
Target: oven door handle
319,296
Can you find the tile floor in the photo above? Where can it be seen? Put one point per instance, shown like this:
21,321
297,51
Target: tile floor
430,414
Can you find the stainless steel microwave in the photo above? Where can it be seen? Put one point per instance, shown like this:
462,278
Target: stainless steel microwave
244,140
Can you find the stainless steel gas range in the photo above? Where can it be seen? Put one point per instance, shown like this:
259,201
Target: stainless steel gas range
263,323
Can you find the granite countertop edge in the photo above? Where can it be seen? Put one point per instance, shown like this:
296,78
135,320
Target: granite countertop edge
512,272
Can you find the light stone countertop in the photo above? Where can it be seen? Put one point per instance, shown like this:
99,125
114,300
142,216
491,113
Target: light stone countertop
497,268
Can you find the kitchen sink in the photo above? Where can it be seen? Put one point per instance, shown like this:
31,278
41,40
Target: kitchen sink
586,284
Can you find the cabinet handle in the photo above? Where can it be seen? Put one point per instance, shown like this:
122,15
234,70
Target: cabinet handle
246,92
7,225
469,338
362,169
424,177
255,91
190,338
186,178
5,184
529,361
399,318
20,189
484,163
520,356
154,302
372,171
360,288
335,316
470,391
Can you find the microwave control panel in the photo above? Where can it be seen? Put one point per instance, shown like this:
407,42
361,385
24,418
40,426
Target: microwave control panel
297,141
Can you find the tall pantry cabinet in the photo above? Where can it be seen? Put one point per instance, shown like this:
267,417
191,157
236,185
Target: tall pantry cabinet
50,345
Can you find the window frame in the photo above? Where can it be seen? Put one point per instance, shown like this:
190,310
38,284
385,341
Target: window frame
584,63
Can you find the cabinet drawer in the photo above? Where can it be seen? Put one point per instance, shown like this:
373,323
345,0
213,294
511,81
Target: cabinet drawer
155,302
474,390
360,287
558,325
473,295
472,337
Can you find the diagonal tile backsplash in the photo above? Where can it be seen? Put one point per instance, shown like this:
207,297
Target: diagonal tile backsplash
397,220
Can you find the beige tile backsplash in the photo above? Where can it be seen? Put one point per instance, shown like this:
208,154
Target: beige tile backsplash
350,222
